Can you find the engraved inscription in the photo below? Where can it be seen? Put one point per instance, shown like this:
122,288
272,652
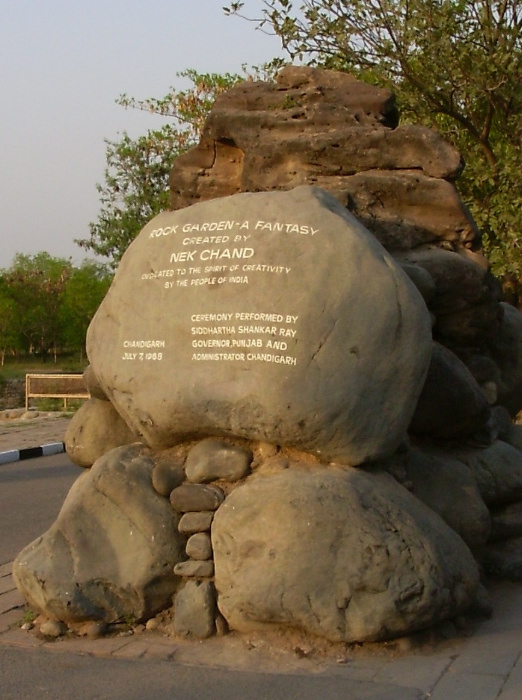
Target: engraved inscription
209,254
135,349
243,329
201,259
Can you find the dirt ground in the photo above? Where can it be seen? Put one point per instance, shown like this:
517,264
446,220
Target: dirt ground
41,430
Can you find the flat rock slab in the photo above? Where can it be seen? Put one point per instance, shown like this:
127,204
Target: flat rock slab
196,497
194,568
190,523
270,316
195,609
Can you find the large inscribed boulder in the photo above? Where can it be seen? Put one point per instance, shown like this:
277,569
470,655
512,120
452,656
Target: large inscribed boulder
271,316
339,553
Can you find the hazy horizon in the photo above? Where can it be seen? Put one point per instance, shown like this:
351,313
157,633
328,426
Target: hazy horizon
64,66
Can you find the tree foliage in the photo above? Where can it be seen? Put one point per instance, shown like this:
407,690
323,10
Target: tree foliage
36,286
46,303
8,327
136,185
454,64
85,289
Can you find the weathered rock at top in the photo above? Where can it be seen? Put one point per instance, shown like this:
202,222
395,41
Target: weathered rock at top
339,553
194,568
111,552
340,134
270,316
405,209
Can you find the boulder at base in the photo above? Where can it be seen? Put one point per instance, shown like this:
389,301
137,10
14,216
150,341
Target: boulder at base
270,316
448,487
95,429
342,554
111,552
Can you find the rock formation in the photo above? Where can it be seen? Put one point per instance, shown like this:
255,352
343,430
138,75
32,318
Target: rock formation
312,356
286,351
110,554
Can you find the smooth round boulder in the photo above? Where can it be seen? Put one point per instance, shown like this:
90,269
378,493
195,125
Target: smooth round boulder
210,460
448,487
497,470
110,554
506,350
451,404
91,383
466,302
95,429
342,554
272,316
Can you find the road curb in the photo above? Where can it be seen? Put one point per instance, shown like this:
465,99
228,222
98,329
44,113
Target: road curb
52,448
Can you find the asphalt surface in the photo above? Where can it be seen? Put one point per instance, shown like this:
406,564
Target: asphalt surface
31,495
62,677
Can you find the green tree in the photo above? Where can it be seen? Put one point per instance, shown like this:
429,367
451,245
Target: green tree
9,339
136,185
84,291
454,64
34,287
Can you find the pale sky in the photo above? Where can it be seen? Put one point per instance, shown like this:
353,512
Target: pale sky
63,64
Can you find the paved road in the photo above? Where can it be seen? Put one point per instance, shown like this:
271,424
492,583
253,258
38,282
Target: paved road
31,494
62,677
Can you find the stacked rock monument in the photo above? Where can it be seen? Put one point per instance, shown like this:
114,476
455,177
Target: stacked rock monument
303,388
